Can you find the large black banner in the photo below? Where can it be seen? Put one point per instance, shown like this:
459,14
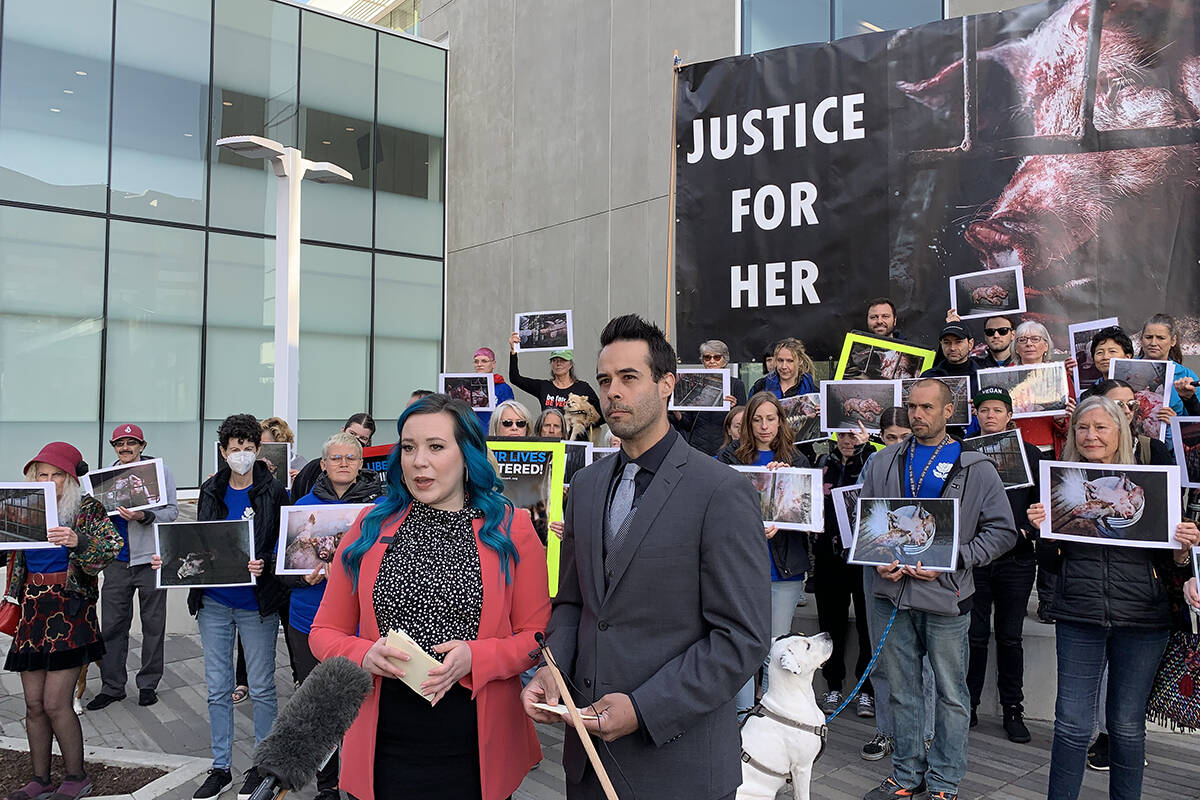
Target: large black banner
812,179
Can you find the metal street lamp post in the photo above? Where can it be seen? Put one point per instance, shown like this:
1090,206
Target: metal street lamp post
291,167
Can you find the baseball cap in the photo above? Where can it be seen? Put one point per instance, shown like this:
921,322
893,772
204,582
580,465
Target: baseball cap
566,355
955,329
992,393
128,429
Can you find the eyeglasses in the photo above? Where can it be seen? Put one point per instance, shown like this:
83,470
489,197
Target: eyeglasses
1029,339
1005,331
1132,405
349,459
711,357
508,423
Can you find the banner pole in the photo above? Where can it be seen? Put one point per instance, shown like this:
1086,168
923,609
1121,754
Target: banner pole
670,316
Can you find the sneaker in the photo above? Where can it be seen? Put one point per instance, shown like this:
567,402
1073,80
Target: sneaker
1097,756
877,748
974,717
253,779
102,701
890,788
866,705
34,790
830,702
218,781
1014,725
943,796
1043,614
73,788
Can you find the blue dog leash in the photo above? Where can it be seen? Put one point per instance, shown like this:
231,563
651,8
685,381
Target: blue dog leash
867,672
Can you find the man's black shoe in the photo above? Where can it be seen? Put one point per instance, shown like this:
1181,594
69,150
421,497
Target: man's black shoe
1014,725
147,697
103,700
218,781
974,716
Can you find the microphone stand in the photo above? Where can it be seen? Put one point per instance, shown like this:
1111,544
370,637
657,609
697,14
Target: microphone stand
577,723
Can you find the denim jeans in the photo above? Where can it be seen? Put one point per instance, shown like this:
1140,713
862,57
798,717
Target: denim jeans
785,596
879,682
218,626
1132,655
944,639
1003,586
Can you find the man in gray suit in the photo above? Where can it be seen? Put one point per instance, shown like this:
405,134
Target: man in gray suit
663,606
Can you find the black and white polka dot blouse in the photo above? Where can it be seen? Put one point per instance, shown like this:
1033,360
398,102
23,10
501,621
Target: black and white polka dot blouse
429,583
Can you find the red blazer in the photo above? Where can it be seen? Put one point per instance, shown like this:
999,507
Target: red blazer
512,613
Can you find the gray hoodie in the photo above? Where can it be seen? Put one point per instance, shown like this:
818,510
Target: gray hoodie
985,527
141,534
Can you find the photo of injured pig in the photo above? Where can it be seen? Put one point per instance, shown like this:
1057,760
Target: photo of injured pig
1151,382
1037,390
959,386
1099,228
1185,437
845,404
907,530
209,554
803,412
978,295
309,535
790,498
1126,505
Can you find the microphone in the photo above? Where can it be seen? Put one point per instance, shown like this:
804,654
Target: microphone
310,727
541,644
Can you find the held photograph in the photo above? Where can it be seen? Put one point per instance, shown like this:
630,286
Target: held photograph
978,295
700,390
1080,334
960,389
1151,382
1125,505
1006,449
1037,390
578,455
309,535
907,530
844,404
1185,437
866,357
209,554
845,509
278,456
532,472
803,412
475,389
790,497
28,510
543,330
132,486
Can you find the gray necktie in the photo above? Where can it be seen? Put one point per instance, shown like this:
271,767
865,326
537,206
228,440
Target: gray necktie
619,509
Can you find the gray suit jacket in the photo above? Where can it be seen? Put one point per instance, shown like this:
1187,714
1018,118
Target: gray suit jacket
684,622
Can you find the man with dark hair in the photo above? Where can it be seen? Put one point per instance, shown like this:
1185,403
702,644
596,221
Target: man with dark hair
242,488
932,610
955,343
881,318
665,527
420,394
998,333
361,426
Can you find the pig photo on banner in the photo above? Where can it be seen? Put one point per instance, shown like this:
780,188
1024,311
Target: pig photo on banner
1151,382
212,554
806,173
532,471
846,404
309,535
912,531
1114,504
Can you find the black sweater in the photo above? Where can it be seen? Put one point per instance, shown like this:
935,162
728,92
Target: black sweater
548,395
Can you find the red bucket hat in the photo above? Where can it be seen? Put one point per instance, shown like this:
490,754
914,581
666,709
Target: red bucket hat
62,455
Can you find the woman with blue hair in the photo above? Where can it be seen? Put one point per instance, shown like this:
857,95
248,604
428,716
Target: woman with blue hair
445,558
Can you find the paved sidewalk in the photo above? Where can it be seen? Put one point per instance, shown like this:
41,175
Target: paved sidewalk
178,724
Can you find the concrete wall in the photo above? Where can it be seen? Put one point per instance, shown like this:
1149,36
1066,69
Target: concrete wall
558,162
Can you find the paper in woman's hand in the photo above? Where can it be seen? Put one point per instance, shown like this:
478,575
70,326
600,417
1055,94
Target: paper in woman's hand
416,669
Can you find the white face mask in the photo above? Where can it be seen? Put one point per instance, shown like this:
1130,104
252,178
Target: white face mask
242,461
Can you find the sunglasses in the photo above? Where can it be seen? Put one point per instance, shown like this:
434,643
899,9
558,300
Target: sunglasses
1132,405
997,331
508,423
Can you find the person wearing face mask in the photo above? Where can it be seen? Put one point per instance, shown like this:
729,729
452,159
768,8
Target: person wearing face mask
57,632
1004,585
130,572
793,371
243,488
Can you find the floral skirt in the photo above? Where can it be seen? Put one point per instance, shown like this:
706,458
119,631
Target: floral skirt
56,631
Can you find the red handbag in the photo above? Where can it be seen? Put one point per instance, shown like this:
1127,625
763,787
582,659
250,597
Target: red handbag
10,613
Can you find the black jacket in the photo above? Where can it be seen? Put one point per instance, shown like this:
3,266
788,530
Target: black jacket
705,430
366,487
789,549
838,472
1019,501
1112,586
267,496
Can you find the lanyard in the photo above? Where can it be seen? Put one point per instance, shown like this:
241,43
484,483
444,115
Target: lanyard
914,486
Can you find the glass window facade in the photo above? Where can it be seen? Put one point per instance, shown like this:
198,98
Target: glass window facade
768,24
137,260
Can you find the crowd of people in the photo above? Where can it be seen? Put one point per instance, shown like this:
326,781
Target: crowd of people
663,526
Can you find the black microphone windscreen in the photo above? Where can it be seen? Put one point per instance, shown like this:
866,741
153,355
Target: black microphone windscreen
313,722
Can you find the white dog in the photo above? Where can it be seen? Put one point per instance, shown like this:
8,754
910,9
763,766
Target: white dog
787,734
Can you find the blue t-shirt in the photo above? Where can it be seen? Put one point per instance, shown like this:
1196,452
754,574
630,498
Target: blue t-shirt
935,477
305,600
122,526
47,560
240,597
762,458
